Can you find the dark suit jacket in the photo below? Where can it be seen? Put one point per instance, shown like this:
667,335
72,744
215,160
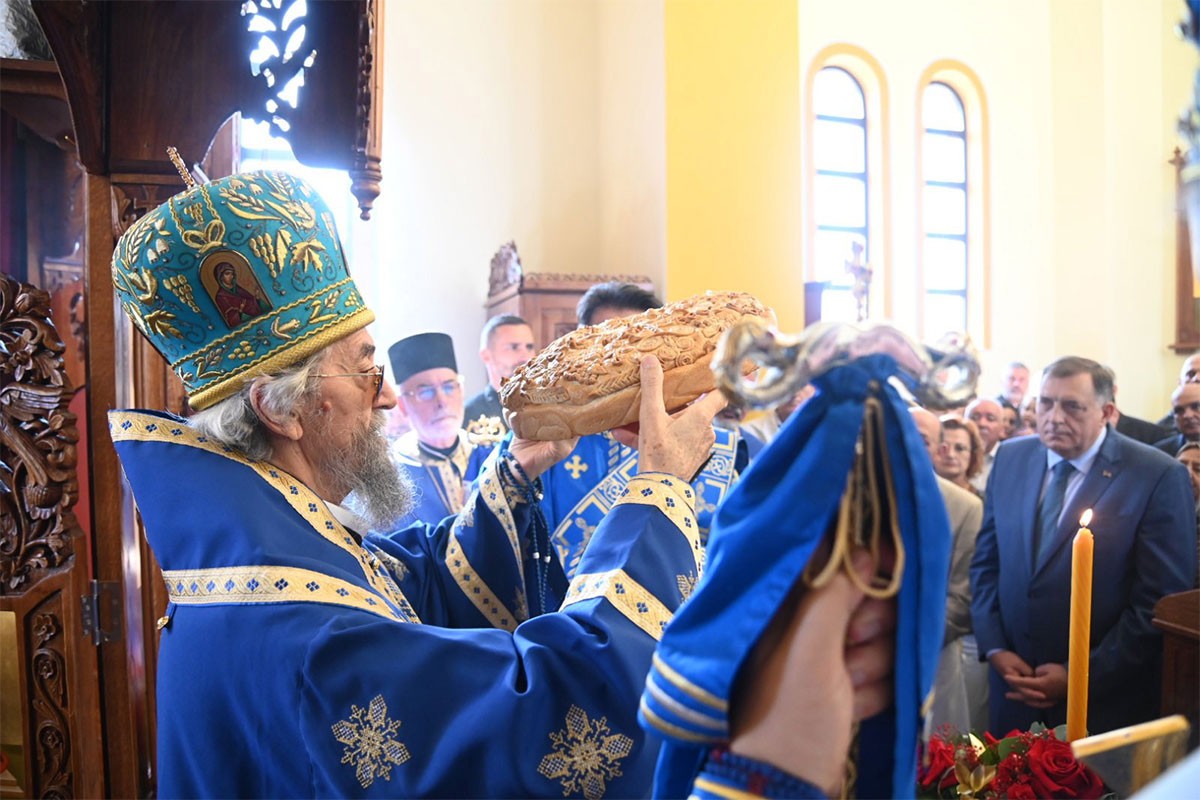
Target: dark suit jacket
1140,430
1145,548
1171,444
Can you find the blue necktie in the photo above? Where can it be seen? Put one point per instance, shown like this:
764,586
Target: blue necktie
1050,509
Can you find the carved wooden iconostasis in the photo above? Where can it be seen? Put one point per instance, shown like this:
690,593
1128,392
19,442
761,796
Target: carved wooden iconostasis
91,95
546,300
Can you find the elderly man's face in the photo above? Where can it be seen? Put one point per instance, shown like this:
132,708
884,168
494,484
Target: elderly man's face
347,398
343,432
1016,382
1185,405
433,401
510,347
1070,416
988,417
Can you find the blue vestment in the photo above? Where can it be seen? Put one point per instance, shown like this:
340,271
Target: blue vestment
762,539
580,489
295,661
441,482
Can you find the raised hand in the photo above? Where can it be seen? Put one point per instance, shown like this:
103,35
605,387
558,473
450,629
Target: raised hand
678,443
537,457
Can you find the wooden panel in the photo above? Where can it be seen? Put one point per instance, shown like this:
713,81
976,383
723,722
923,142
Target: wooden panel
1178,617
1187,305
43,567
545,300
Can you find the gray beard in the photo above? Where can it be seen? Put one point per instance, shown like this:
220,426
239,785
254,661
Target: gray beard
377,491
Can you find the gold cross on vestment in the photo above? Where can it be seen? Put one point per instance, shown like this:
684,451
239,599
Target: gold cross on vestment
575,466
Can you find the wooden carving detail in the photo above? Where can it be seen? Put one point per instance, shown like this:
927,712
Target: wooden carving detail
49,702
506,269
38,486
131,201
365,173
532,279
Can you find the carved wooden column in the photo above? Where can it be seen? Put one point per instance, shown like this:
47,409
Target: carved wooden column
137,77
40,615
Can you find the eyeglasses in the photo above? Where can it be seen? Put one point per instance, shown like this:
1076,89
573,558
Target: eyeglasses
427,393
1071,408
1179,411
376,373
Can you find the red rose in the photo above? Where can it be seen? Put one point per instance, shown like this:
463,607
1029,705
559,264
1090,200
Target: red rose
940,757
1054,772
1021,791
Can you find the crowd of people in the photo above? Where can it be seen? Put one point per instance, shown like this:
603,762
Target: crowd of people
1010,569
338,542
1150,533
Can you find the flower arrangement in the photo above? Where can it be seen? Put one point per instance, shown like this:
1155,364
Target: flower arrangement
1027,765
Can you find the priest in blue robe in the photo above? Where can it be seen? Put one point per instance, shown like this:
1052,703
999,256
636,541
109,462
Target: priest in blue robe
437,456
300,658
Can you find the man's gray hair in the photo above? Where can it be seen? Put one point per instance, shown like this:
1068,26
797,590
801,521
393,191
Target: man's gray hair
233,421
1102,377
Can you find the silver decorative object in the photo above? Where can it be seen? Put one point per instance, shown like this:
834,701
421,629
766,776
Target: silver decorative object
945,375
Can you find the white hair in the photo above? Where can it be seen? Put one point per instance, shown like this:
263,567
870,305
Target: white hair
233,421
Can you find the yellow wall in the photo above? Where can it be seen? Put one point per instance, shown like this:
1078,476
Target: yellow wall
733,157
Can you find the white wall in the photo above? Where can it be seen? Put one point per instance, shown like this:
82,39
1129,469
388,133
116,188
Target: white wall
533,120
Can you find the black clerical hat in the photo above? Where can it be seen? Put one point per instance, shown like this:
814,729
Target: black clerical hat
421,352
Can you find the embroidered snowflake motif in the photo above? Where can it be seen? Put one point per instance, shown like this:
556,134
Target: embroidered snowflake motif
686,584
370,743
467,515
585,756
394,565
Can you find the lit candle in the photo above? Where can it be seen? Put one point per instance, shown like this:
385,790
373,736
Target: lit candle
1081,630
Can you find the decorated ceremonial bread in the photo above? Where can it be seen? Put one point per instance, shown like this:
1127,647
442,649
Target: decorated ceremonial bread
588,381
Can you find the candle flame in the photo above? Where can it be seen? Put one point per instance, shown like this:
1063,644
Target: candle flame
1085,518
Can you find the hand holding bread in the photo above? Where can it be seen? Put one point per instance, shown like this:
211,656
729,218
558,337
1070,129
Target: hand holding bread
677,444
588,381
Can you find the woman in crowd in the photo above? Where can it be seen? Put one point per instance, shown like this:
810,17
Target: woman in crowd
961,457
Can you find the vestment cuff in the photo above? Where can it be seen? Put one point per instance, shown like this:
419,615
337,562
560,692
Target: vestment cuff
728,775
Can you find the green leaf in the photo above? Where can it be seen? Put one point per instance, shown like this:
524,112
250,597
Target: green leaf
1060,732
1009,746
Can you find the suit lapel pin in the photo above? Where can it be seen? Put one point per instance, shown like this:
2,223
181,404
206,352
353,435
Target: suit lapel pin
1106,473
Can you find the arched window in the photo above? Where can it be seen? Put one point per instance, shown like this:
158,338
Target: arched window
841,209
946,231
953,226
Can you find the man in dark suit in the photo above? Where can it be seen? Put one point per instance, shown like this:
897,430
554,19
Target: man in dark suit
1188,373
1145,548
1185,409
